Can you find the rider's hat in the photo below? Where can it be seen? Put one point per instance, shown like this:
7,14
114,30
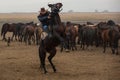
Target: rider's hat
42,10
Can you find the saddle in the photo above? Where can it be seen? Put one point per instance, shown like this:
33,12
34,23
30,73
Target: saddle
43,35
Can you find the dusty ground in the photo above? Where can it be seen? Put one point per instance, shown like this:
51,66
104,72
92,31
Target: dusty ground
21,62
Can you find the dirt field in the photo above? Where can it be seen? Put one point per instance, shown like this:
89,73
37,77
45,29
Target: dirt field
21,62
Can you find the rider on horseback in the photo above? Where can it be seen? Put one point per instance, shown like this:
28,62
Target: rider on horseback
50,20
44,17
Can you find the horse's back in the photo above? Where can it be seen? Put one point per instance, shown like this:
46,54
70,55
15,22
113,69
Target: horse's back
8,27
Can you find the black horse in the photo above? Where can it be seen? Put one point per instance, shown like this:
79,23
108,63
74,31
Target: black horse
13,27
87,35
49,44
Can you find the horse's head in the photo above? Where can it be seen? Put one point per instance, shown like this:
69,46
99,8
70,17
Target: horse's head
101,24
111,23
55,8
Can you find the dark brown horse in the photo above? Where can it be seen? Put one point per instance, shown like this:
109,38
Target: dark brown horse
87,35
49,44
109,33
9,28
29,33
13,27
112,36
71,32
21,30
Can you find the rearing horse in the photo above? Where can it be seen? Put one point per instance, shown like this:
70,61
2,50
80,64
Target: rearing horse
49,44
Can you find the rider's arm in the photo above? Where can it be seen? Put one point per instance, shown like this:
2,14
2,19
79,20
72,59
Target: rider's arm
42,18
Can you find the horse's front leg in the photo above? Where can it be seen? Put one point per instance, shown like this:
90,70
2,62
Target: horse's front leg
29,39
4,38
72,45
104,47
33,39
83,45
75,45
25,36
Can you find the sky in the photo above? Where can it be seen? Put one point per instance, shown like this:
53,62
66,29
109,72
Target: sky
8,6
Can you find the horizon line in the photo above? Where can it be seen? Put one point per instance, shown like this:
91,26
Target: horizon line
63,12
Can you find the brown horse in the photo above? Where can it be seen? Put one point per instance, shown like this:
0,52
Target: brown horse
109,33
71,32
29,33
9,28
111,36
49,44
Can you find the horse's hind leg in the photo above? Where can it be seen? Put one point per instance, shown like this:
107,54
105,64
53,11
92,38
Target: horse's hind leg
104,47
52,54
62,46
42,56
116,46
29,39
113,49
33,39
12,36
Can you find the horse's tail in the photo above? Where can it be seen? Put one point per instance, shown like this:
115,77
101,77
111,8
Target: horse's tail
2,30
42,43
38,33
41,40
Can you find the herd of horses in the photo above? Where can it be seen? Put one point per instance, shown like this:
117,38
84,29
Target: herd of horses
21,31
65,34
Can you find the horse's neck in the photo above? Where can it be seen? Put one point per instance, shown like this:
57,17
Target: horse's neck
57,25
57,20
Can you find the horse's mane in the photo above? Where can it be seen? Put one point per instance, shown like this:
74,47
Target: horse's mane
56,20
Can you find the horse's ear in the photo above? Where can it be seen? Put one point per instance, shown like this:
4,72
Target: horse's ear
50,5
60,4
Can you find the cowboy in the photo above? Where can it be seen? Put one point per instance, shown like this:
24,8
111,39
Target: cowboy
44,17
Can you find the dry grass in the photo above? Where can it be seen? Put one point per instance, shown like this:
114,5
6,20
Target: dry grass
95,17
21,62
